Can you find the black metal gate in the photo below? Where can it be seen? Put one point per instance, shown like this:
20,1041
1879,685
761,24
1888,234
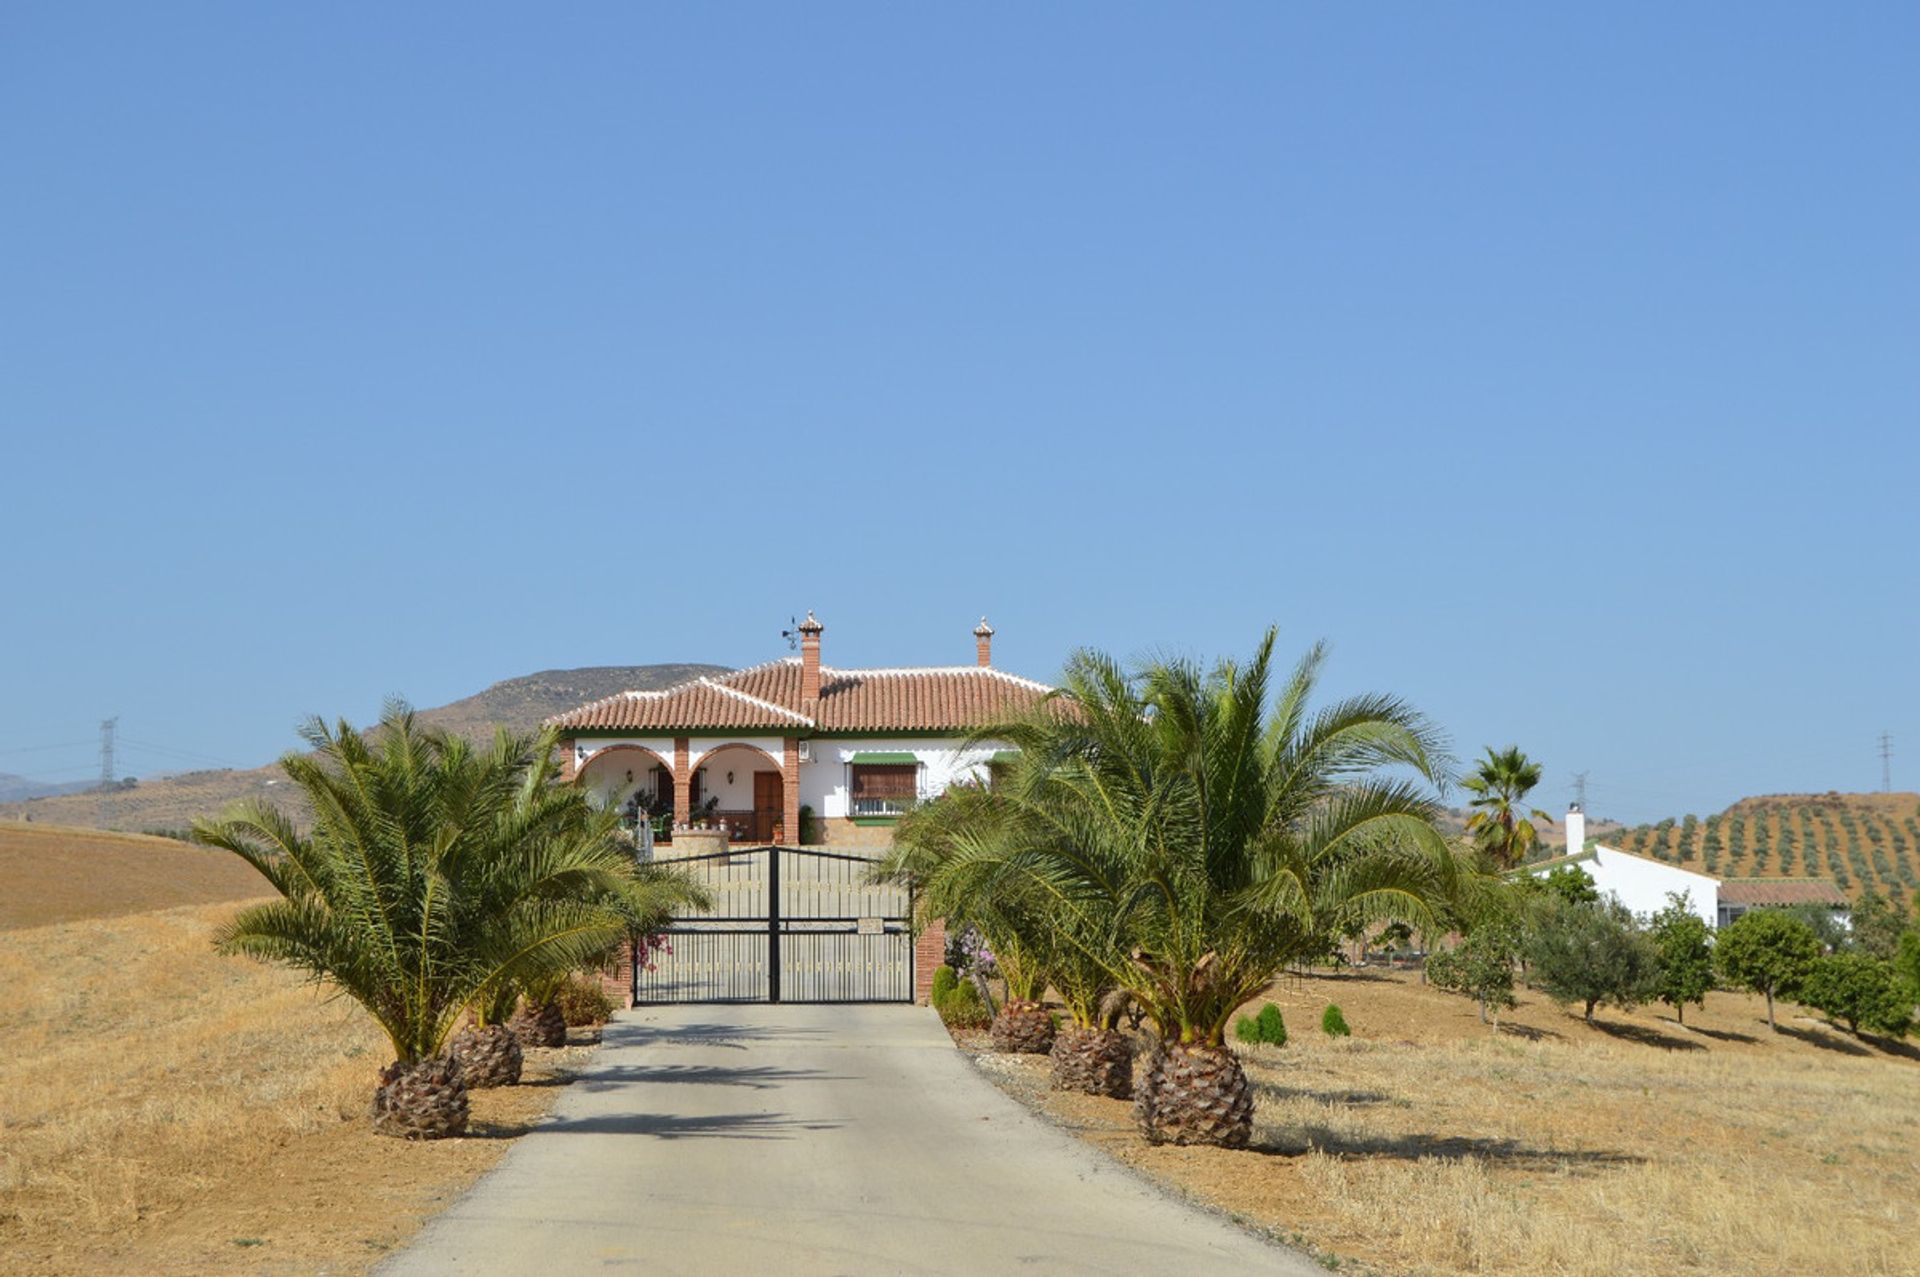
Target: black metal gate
789,924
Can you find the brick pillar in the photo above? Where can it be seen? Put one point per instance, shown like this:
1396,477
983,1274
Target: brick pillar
617,978
790,791
682,781
929,951
567,768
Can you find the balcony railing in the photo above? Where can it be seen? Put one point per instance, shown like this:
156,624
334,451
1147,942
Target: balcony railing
891,806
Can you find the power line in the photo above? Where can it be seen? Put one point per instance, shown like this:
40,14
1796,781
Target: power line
177,753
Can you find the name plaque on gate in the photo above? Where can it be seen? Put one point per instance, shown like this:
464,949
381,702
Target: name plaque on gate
872,927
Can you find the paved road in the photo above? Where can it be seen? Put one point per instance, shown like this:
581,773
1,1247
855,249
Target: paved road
811,1140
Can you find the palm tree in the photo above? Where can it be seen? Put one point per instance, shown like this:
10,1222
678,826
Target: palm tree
436,876
1499,825
1194,832
1012,920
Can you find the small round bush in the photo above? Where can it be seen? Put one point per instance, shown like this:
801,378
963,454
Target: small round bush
583,1001
1332,1023
944,980
1272,1026
1247,1029
961,1008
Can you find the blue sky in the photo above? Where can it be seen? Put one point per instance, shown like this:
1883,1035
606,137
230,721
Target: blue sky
1558,368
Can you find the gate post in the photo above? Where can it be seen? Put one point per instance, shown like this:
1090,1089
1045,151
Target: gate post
929,951
773,924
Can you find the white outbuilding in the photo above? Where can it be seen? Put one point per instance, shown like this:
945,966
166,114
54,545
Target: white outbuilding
1640,883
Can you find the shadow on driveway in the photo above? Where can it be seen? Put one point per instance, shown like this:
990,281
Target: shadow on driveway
673,1126
759,1078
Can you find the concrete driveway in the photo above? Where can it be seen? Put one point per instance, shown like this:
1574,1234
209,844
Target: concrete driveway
811,1140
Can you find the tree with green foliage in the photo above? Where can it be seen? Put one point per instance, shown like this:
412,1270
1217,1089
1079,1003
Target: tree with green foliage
1906,962
1684,945
1859,989
1876,926
1589,954
1823,922
1767,951
435,872
1569,884
1501,826
1195,831
1481,967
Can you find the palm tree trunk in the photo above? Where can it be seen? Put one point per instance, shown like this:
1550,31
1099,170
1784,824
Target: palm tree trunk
1194,1093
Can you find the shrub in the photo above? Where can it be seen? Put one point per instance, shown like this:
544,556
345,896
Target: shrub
809,826
961,1007
944,981
1332,1023
584,1002
1271,1025
1268,1028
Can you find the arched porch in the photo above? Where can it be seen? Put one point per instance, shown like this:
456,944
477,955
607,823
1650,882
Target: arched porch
637,782
744,789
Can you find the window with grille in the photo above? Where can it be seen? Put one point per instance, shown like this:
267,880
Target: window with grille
884,789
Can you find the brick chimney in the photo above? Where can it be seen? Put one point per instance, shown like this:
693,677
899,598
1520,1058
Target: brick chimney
810,658
983,644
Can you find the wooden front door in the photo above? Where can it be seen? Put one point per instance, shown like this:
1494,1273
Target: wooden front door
769,800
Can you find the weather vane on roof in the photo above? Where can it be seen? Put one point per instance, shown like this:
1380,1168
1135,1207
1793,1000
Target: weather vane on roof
792,633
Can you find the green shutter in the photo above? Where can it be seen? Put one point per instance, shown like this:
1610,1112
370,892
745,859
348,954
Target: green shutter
883,756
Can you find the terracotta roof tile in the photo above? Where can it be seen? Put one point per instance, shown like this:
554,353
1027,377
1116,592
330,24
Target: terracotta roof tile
1755,892
768,697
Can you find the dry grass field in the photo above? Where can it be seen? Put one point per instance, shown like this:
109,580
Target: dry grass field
51,873
166,1110
1427,1144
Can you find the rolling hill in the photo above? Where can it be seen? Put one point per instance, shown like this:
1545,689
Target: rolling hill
172,802
1861,841
51,874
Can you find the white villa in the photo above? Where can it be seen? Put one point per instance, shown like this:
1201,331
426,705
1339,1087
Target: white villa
747,750
1643,884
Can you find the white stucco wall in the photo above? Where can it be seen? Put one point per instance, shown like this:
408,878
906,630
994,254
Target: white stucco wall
943,761
718,761
606,774
1642,885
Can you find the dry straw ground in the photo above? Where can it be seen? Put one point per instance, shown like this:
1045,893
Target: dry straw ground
1426,1144
165,1110
50,873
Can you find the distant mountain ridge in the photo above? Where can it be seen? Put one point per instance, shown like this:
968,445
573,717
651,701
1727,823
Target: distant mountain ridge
172,802
15,789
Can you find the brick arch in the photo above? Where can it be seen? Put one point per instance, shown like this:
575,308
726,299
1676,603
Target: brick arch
592,759
705,754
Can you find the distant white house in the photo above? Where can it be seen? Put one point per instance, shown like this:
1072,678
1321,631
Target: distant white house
1643,884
